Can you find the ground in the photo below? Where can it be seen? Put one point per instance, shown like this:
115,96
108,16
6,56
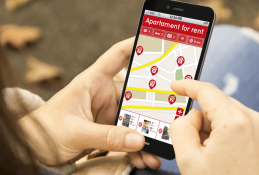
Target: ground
77,32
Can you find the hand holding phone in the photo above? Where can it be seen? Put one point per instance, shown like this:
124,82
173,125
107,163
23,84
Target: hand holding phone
170,45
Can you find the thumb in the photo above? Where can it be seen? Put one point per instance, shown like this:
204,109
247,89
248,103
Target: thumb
185,132
112,138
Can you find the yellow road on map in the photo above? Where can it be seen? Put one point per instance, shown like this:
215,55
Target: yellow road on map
150,107
156,60
151,90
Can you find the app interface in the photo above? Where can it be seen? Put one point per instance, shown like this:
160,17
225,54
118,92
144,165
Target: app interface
168,49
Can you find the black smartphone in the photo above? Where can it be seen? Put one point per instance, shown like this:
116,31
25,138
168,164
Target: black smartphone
171,44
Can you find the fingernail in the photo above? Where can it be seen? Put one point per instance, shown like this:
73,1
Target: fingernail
133,141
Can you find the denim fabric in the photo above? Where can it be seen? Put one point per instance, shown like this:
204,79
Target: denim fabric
46,171
149,171
233,54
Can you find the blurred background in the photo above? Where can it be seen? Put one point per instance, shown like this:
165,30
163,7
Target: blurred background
49,42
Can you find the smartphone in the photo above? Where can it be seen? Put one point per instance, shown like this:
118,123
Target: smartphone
171,43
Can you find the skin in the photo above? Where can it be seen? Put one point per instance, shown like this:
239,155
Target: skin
81,116
222,138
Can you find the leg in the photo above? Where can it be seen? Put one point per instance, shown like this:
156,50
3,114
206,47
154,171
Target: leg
232,64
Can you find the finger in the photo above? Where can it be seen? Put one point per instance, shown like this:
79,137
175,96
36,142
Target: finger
151,161
209,97
206,124
83,154
196,90
111,138
185,132
117,57
136,159
203,136
118,89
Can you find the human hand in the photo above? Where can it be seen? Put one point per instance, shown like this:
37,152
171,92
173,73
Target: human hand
70,117
224,142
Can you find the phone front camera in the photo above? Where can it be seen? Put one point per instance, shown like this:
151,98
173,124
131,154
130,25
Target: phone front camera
168,7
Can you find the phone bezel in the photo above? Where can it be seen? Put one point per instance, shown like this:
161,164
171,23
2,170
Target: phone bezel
194,11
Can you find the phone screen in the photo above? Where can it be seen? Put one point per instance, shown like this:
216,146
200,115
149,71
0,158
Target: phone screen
168,49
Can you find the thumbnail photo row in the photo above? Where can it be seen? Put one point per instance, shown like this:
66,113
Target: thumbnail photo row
147,126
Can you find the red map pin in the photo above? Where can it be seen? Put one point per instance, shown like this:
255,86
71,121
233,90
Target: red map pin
139,124
128,95
188,77
120,118
180,60
176,117
160,130
172,99
154,70
152,84
139,50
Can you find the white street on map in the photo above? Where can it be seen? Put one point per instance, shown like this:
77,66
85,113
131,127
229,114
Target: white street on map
154,102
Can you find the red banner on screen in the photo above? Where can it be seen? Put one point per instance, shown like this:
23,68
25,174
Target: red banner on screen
175,26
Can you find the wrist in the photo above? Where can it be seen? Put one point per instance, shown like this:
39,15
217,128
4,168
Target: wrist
38,140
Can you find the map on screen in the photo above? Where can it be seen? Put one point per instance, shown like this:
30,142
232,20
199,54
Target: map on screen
167,50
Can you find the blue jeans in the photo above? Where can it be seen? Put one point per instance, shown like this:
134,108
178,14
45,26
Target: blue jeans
232,64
